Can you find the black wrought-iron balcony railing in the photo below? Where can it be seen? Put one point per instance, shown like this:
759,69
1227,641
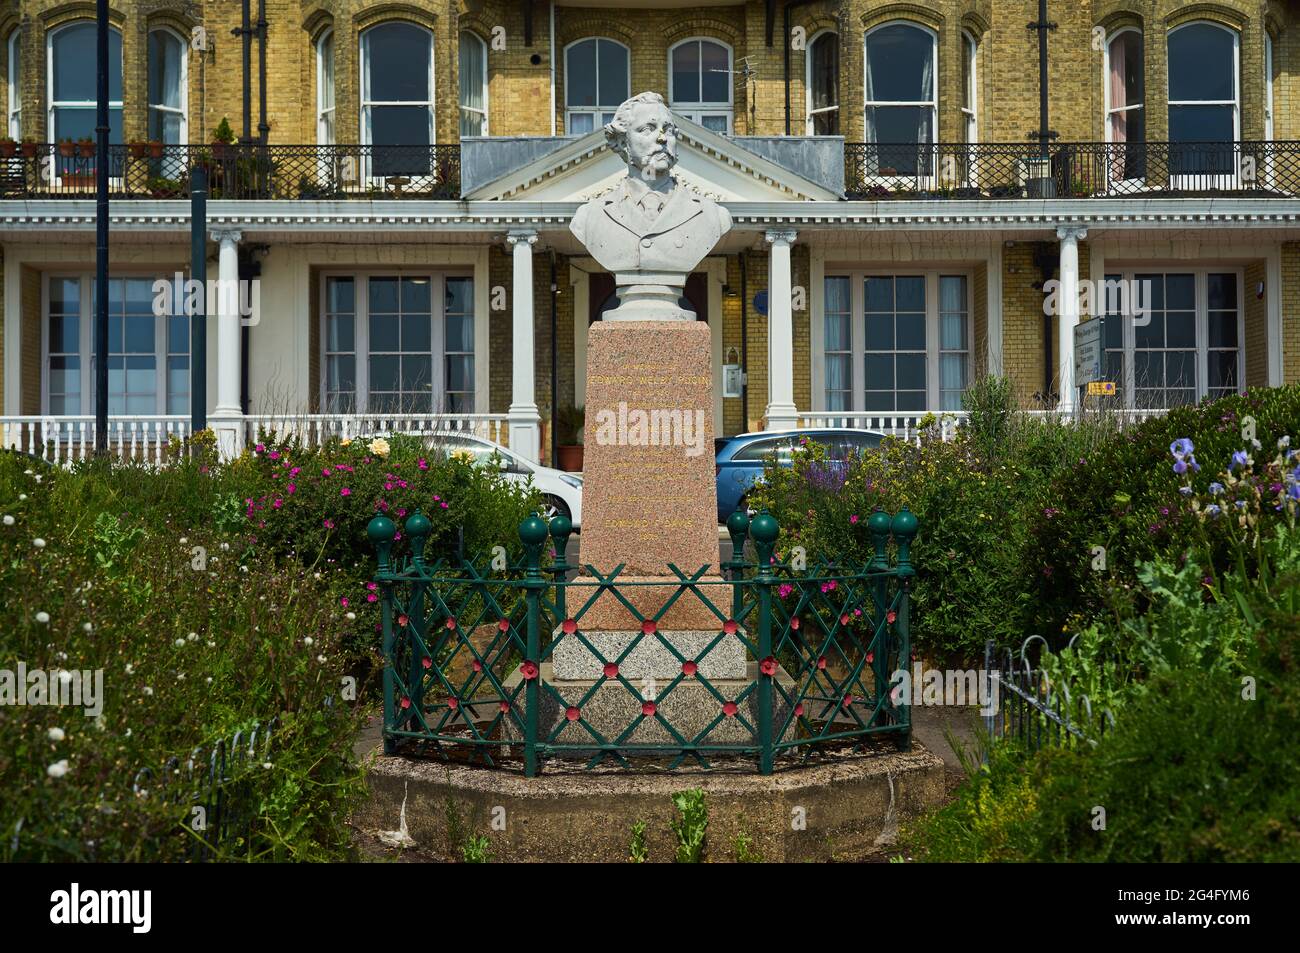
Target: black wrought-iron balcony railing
1074,170
143,170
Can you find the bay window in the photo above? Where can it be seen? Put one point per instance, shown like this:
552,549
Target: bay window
167,99
1181,340
699,83
397,118
895,343
396,344
901,109
823,84
148,353
597,77
1204,99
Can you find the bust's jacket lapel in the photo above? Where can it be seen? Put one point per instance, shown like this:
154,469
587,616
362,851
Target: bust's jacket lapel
683,205
620,210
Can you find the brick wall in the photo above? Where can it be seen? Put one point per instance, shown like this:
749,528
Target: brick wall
1256,319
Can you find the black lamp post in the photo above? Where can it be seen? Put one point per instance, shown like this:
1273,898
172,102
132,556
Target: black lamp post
101,228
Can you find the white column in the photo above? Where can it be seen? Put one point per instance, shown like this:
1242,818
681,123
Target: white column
525,422
1068,306
781,411
227,418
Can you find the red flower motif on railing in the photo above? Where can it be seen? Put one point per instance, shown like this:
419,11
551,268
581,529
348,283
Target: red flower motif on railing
451,622
504,706
730,709
476,665
730,627
528,670
890,616
572,713
453,703
689,668
569,626
504,625
821,663
767,666
406,702
402,620
848,700
798,710
611,670
844,619
648,627
426,662
795,623
871,657
648,709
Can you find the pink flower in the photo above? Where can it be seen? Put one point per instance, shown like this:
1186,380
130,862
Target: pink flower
278,503
343,602
372,586
372,598
274,455
422,464
345,492
325,472
260,448
388,485
444,505
854,519
329,524
290,488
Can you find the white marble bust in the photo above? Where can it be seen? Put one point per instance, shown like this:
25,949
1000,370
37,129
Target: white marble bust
650,231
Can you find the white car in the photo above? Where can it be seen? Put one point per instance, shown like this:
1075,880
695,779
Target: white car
561,491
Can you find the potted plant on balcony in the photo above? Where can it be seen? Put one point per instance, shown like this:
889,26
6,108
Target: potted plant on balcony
86,147
569,425
67,148
8,148
29,147
164,188
155,149
222,138
139,149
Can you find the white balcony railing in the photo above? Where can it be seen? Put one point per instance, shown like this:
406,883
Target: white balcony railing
314,430
908,426
68,439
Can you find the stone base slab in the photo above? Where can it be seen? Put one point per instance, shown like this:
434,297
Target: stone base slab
852,805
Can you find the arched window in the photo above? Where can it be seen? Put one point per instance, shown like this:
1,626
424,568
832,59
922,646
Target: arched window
325,89
1126,102
16,85
71,83
823,84
168,122
699,83
1204,98
596,82
901,111
969,87
397,116
473,85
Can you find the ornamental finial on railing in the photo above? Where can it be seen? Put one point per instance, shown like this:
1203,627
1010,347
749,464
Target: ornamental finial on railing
765,530
382,531
561,529
532,533
878,527
904,529
738,530
418,528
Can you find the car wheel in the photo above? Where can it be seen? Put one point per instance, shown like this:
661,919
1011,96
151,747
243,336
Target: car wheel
553,506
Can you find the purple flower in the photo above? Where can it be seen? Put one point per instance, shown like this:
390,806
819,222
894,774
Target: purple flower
1182,447
1216,488
1213,510
1185,490
1239,459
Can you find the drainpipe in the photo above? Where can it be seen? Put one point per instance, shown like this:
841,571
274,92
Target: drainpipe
550,54
262,126
245,32
555,371
785,41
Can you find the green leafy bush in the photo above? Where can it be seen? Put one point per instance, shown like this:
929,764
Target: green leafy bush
1121,496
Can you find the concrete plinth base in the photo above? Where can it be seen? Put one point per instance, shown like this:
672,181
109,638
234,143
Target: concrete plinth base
842,809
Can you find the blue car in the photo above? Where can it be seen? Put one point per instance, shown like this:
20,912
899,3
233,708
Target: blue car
740,459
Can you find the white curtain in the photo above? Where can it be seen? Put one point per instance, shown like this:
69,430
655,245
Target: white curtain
472,94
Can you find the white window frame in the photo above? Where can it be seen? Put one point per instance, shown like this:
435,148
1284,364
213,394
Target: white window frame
970,82
1110,110
598,111
462,108
15,85
902,181
367,104
858,332
361,333
184,111
809,111
86,348
1200,273
698,111
324,136
1231,180
51,105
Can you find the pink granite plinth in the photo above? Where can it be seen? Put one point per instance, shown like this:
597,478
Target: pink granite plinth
649,490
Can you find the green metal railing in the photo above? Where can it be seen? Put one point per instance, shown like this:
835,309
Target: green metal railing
470,650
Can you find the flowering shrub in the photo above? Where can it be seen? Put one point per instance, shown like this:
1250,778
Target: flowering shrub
1121,497
195,637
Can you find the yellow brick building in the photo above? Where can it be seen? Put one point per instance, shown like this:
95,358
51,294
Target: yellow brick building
402,174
